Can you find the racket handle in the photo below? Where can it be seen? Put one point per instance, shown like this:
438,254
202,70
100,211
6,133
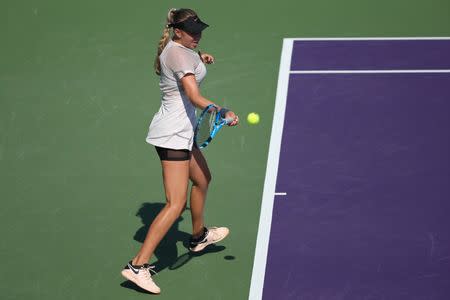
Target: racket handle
229,120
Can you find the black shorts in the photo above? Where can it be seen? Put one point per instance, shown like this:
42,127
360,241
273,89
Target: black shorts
172,154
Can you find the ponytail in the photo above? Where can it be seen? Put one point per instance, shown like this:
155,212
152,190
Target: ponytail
173,16
164,39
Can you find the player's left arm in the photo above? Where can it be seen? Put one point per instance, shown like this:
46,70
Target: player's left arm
209,59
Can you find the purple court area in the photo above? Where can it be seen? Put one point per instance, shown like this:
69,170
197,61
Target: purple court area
365,163
371,55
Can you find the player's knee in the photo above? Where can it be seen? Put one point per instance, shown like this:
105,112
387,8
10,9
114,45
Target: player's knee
177,207
203,182
208,178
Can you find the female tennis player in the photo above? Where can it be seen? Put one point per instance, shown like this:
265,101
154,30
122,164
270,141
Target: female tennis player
171,131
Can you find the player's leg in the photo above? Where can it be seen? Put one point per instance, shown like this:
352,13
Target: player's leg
175,179
201,176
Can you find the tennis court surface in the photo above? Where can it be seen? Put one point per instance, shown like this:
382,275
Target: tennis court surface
356,196
360,160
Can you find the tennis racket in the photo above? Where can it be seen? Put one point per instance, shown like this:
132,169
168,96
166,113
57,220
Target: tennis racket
208,125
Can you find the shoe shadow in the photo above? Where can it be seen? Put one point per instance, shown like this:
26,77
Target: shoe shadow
166,253
130,285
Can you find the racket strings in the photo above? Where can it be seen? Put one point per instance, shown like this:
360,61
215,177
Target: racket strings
205,127
212,121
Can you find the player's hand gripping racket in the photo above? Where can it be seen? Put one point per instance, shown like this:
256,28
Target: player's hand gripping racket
209,123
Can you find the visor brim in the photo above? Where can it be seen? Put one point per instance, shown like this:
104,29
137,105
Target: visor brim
191,25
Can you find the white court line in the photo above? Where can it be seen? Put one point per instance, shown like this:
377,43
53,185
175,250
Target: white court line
280,194
265,219
369,71
371,38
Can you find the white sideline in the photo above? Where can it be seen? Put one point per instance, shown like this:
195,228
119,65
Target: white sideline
265,219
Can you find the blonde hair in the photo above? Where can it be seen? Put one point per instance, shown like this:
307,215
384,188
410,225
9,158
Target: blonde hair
173,16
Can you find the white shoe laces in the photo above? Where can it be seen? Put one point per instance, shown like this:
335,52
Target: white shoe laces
147,269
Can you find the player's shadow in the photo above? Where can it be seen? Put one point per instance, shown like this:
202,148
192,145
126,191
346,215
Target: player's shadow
166,253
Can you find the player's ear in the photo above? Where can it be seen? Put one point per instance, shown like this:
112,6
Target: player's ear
177,33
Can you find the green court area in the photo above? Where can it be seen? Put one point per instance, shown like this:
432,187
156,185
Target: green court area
79,185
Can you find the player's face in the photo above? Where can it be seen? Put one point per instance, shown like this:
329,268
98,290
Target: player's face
189,40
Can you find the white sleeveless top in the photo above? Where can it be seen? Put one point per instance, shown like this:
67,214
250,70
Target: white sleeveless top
173,125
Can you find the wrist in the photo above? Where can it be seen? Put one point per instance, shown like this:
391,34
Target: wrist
223,111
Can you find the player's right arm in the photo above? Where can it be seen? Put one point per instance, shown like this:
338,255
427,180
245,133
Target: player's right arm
193,92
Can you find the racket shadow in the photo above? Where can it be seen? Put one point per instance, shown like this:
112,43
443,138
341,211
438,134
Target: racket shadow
186,257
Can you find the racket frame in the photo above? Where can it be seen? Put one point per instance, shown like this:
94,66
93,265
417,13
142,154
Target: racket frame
219,122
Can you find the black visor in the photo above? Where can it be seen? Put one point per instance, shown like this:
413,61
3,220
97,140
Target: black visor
191,25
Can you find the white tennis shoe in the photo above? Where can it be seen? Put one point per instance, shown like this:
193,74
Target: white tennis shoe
210,236
141,277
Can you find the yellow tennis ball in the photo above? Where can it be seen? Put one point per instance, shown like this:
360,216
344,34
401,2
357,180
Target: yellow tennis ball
253,118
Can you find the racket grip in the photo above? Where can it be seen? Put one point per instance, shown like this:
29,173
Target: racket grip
228,120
